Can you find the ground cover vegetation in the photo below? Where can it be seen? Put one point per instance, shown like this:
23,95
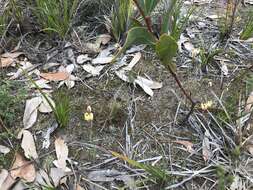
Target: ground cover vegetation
126,94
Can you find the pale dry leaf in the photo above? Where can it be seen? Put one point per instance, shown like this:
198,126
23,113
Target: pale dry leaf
42,84
31,111
23,169
43,179
28,145
213,17
136,48
4,149
187,144
26,66
146,84
122,75
93,70
151,84
206,147
13,55
57,175
44,106
78,187
103,39
201,2
70,81
146,88
83,58
6,181
224,68
102,60
20,186
70,68
62,151
3,175
133,62
91,48
249,103
59,76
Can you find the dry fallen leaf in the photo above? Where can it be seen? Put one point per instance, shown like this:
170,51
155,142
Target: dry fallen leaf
103,39
62,151
102,60
93,70
57,175
4,149
248,144
249,103
224,68
23,169
133,62
7,59
3,175
151,84
70,81
13,55
41,83
44,106
91,48
59,76
78,187
31,111
206,147
25,66
43,179
187,144
146,84
28,144
82,59
6,62
6,181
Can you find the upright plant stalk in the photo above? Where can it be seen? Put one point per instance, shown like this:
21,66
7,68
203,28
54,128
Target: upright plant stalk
147,19
149,27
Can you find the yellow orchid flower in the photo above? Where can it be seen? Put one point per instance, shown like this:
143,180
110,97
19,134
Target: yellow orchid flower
88,115
205,106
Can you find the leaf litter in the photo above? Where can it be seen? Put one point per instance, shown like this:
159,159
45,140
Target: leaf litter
65,74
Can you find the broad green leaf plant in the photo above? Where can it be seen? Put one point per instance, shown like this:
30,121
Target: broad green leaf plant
165,42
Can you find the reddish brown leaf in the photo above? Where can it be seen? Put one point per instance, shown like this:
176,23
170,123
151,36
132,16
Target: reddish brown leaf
187,144
55,76
6,62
